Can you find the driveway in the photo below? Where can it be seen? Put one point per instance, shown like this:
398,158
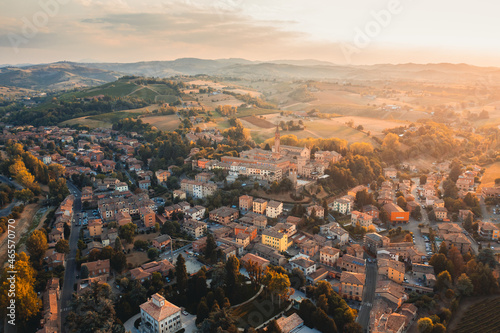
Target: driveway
129,324
189,323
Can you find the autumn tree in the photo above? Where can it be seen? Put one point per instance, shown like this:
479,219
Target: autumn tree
24,195
27,302
277,285
37,245
443,280
425,325
255,272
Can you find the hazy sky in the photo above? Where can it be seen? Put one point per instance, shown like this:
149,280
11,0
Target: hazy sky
355,32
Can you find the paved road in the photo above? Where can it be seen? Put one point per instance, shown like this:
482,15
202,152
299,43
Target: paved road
7,210
6,180
368,296
70,273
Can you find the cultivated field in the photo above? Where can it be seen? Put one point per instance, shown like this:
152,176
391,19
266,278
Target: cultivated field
106,120
481,317
164,123
259,122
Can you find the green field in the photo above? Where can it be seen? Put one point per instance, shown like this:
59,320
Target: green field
115,89
121,88
113,117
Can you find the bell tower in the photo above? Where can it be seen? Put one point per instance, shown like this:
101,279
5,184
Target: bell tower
277,140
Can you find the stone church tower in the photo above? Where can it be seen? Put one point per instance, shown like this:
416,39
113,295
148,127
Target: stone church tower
276,148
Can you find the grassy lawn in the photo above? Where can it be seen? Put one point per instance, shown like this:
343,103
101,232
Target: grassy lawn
492,172
257,312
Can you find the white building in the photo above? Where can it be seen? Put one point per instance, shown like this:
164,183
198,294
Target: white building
196,212
274,209
342,205
306,265
122,187
159,316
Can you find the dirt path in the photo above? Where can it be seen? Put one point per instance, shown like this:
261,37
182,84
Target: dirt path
22,225
133,91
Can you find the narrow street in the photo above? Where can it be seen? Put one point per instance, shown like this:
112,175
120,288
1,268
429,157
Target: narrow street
368,296
70,272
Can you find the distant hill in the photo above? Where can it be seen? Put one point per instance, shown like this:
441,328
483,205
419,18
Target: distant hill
67,75
56,76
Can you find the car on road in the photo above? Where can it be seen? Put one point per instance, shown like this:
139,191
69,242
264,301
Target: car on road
184,312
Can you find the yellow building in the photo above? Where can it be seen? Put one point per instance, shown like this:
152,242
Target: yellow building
259,206
394,270
275,239
351,285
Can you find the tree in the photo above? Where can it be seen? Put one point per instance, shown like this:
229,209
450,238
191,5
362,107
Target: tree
255,272
181,273
37,245
202,311
27,303
84,272
118,261
443,248
24,195
423,179
127,232
353,328
118,244
487,257
457,260
468,222
443,280
439,328
439,262
425,325
152,253
58,190
273,327
62,246
93,311
298,278
391,141
277,284
464,285
210,248
232,273
401,201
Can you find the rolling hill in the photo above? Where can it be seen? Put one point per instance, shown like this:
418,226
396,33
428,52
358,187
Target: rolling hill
67,75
